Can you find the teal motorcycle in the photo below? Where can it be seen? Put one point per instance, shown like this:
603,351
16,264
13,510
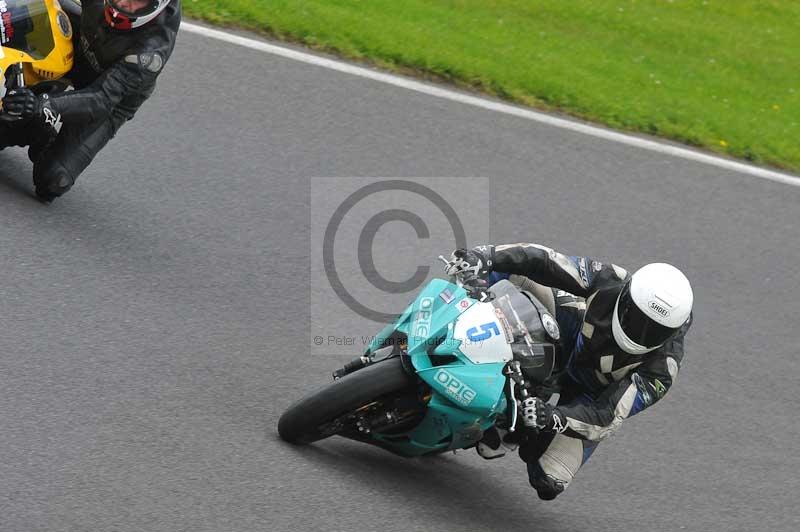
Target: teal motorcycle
450,367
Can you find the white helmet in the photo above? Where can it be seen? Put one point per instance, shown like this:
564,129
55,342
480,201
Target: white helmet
653,305
130,14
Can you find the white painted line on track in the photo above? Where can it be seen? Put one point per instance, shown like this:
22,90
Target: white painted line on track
491,105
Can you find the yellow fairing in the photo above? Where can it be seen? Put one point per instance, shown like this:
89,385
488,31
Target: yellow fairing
44,45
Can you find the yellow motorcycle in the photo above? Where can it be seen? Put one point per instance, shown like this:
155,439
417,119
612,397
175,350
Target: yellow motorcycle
36,48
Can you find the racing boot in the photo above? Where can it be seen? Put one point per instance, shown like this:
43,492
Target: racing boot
547,487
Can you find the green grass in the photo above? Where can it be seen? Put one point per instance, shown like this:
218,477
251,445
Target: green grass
723,74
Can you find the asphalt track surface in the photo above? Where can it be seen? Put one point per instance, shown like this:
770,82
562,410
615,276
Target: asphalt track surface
154,323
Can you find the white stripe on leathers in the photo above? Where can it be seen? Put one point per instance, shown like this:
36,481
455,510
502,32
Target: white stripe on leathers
622,411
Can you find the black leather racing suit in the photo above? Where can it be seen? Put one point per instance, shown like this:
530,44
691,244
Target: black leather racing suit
601,385
115,71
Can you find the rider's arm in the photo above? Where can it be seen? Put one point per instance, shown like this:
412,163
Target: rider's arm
576,275
98,100
642,388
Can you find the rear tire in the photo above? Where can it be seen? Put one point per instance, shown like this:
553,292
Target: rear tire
300,423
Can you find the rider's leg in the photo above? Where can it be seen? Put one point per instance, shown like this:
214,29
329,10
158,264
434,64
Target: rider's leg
545,294
554,459
56,168
5,136
18,133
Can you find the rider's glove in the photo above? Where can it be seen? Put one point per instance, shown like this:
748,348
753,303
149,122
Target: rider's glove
22,102
479,261
26,104
536,414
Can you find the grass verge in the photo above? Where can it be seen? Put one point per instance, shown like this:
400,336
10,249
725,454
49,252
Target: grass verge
720,74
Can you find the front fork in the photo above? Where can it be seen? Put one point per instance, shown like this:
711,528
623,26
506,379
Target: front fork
517,386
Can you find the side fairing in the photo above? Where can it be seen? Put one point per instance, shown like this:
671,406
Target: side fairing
458,348
457,345
426,319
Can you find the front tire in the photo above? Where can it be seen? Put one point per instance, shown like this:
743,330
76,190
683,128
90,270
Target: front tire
300,423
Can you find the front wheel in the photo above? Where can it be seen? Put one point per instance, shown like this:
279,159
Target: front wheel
309,419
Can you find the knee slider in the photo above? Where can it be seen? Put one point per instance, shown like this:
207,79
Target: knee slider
53,181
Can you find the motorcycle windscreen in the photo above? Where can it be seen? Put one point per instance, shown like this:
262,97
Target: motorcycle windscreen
25,26
531,345
520,312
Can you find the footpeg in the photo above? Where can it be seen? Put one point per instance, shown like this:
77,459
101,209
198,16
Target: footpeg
350,367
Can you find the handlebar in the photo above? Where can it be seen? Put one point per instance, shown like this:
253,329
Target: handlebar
473,284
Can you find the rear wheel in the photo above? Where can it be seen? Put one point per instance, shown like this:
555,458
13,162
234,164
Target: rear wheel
320,415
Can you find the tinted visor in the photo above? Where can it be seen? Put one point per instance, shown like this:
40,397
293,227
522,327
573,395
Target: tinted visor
637,325
135,8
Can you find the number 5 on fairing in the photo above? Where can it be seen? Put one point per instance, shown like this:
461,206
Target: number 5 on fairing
488,330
